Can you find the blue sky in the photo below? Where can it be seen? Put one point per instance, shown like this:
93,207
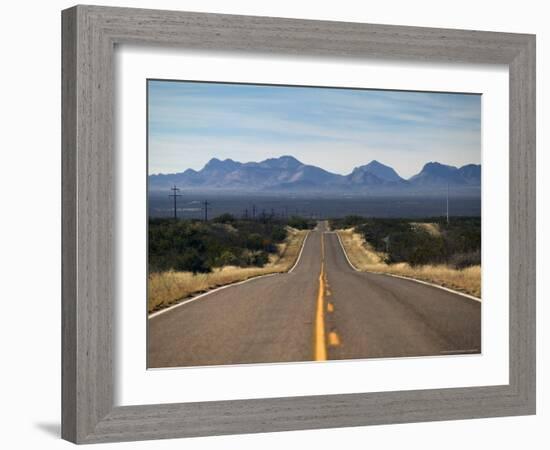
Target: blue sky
336,129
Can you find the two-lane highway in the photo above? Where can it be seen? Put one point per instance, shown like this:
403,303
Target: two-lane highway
375,315
322,309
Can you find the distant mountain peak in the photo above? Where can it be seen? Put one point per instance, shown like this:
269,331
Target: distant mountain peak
435,173
282,162
433,164
476,166
375,163
216,164
288,174
471,173
288,158
378,170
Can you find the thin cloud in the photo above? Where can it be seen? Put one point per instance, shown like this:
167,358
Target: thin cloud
190,123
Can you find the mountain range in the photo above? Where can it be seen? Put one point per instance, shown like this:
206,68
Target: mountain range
288,175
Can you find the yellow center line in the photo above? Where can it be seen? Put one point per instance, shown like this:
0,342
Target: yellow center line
333,339
320,342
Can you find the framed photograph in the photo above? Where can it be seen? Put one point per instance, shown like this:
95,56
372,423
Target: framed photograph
278,224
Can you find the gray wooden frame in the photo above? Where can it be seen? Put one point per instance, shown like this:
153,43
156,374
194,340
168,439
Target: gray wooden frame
89,34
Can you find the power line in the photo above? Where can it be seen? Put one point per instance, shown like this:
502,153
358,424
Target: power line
206,203
175,195
447,203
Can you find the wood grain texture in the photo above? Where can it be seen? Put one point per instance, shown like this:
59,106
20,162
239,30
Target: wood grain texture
89,36
522,242
68,224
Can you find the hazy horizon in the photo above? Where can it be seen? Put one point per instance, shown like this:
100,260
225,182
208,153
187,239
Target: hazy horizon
336,129
284,156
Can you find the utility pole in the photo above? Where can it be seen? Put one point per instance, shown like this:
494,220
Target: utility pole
246,213
206,203
175,195
386,240
253,212
447,203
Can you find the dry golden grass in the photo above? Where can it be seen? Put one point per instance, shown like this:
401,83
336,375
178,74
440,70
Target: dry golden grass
365,258
167,288
430,227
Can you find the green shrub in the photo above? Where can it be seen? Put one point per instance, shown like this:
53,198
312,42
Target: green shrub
301,223
458,244
225,218
197,246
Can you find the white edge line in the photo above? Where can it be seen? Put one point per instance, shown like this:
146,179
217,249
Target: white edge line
300,254
346,253
471,297
185,302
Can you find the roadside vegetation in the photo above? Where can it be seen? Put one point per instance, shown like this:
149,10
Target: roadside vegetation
187,257
430,249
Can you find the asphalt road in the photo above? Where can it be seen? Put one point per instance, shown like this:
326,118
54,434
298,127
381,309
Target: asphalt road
321,310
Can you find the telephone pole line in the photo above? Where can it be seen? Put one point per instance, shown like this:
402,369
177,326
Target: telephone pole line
175,195
206,203
447,203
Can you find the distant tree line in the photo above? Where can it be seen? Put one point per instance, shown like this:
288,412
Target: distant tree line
457,244
199,246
